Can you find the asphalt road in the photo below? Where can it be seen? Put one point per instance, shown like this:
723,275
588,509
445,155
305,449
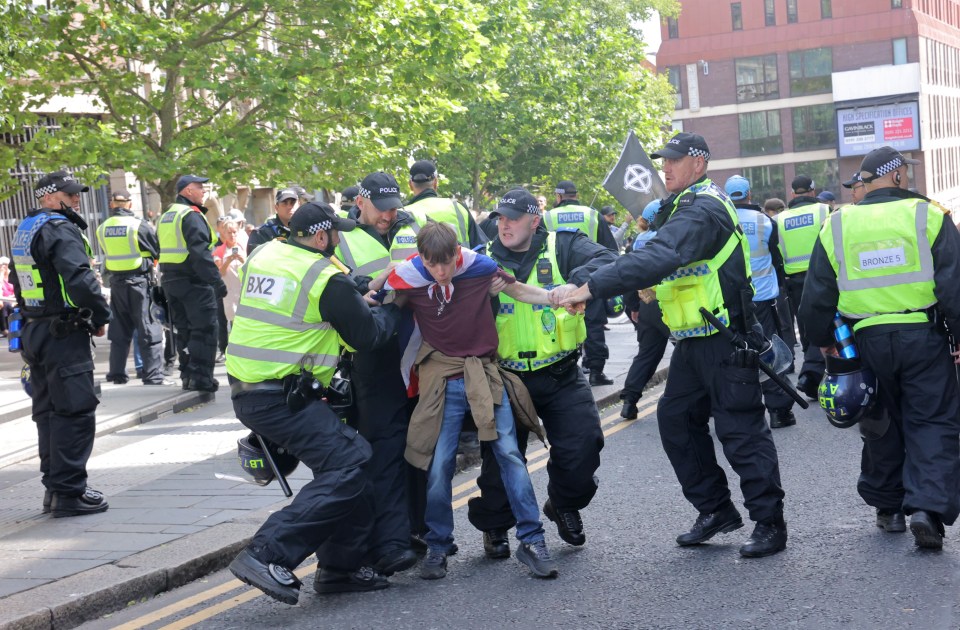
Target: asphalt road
839,569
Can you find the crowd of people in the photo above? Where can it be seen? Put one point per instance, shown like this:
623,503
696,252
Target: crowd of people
440,323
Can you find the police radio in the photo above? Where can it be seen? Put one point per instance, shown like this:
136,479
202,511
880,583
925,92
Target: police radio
544,272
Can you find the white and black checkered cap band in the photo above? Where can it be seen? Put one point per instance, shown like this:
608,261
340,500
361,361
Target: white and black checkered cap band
693,152
363,192
49,189
890,166
316,227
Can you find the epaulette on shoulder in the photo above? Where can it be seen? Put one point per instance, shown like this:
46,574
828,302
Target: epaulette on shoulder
940,207
686,199
566,229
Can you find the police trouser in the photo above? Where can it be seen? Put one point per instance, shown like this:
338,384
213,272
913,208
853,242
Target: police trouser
383,418
130,311
787,333
774,398
916,463
595,351
64,404
566,406
652,337
813,361
192,308
701,382
332,514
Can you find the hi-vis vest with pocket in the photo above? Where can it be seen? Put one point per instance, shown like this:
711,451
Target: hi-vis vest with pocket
686,290
28,273
533,336
278,326
442,211
583,218
757,227
173,247
798,229
118,239
361,252
881,254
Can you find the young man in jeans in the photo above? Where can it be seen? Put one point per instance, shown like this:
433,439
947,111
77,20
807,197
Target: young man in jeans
449,289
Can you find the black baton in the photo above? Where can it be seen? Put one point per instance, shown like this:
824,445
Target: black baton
287,492
776,378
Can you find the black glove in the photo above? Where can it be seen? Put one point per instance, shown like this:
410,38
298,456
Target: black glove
220,289
745,358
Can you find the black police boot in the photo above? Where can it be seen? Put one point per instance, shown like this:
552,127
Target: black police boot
90,502
780,418
118,379
276,581
496,544
599,378
537,557
892,521
808,383
710,524
328,581
395,561
629,411
47,499
927,530
200,384
768,538
569,524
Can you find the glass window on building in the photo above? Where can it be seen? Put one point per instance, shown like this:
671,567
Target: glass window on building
766,182
760,133
791,11
769,13
810,71
757,78
736,16
899,51
673,76
673,29
814,127
896,4
826,9
823,173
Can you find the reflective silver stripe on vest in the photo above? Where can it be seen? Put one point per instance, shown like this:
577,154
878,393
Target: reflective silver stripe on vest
925,274
181,247
460,221
309,279
276,319
374,266
295,320
593,233
402,253
282,356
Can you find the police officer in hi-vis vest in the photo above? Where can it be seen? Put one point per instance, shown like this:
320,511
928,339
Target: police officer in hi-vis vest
191,282
53,281
297,307
798,227
701,259
890,265
570,213
426,204
540,345
130,246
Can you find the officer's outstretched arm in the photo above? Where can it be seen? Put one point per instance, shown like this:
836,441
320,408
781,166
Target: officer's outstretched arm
526,293
360,326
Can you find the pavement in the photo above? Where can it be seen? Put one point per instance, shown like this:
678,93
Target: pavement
166,460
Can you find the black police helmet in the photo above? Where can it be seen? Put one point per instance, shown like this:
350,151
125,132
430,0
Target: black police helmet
252,461
614,306
848,391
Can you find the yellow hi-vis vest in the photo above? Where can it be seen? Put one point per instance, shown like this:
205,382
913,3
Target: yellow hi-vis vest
798,229
173,247
881,255
583,218
278,327
442,211
533,336
118,240
361,252
682,293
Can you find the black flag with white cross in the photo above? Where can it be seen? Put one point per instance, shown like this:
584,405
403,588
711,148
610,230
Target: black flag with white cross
634,181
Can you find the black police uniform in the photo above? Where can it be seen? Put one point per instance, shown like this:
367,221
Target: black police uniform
702,380
560,393
192,289
652,338
130,311
61,365
915,465
270,230
334,513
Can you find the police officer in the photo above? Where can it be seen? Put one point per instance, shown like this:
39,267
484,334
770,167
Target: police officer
296,305
700,252
276,226
569,213
130,245
191,283
53,281
426,204
856,187
766,270
889,265
798,227
541,346
348,200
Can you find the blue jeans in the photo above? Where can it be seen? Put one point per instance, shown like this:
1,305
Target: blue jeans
523,501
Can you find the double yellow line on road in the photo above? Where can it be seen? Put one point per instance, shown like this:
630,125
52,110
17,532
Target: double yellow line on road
536,460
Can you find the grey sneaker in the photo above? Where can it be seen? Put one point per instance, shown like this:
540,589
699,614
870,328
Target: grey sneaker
536,556
434,566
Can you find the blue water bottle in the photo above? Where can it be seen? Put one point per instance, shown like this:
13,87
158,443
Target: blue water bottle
844,336
15,324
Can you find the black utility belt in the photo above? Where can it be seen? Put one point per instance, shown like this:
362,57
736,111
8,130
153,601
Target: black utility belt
240,387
